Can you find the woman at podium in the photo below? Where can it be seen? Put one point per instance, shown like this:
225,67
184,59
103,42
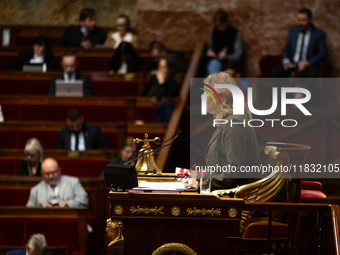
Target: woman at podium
233,144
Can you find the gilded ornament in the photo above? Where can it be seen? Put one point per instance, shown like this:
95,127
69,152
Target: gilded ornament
232,212
146,210
203,211
118,209
175,211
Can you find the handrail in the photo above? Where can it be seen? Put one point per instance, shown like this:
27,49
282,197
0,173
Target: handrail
183,96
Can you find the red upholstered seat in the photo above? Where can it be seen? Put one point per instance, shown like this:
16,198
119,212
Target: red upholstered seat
58,231
312,192
8,166
11,232
109,88
82,168
14,196
310,185
313,196
8,139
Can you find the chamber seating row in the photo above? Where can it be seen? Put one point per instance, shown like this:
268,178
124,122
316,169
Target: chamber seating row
46,108
74,240
89,60
103,84
88,164
54,250
14,135
65,227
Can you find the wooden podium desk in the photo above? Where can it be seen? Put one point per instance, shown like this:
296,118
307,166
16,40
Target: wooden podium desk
205,223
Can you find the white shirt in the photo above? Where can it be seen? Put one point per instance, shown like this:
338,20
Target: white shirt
39,60
83,30
123,68
127,38
55,190
305,46
298,47
68,79
81,141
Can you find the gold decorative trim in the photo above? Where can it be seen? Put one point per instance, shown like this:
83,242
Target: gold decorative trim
146,210
232,212
118,209
203,211
175,210
173,247
114,229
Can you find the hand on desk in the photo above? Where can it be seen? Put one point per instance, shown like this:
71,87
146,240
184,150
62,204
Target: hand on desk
190,182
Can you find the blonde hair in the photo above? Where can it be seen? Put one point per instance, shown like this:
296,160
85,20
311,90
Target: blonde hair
36,242
33,145
225,94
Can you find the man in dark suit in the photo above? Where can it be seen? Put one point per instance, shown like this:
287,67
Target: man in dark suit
79,135
86,35
304,50
36,245
69,64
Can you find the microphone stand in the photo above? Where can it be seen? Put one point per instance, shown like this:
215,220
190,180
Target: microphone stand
134,159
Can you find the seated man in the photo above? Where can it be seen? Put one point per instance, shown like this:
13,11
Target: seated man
79,135
157,51
163,107
224,44
36,245
304,50
86,35
57,190
69,64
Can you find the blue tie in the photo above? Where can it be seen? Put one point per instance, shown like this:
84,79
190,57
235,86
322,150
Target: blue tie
301,48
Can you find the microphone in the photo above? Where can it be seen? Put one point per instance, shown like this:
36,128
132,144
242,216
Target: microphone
177,134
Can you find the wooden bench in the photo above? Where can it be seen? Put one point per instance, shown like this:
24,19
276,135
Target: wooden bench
62,227
96,59
54,250
103,84
19,188
94,109
14,134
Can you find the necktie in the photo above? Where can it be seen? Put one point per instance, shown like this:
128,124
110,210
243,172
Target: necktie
301,48
77,142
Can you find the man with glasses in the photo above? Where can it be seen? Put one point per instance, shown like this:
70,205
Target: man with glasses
69,64
57,190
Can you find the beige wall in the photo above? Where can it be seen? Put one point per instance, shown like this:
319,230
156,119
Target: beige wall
64,12
264,25
180,24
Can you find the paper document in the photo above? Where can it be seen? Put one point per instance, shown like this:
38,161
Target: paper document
173,186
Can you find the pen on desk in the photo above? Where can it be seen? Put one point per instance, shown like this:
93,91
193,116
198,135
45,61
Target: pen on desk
186,174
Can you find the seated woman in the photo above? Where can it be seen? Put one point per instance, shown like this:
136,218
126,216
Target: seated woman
123,33
231,145
124,60
41,53
34,157
167,68
126,149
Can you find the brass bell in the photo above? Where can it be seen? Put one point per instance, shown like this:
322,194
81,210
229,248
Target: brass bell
146,164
